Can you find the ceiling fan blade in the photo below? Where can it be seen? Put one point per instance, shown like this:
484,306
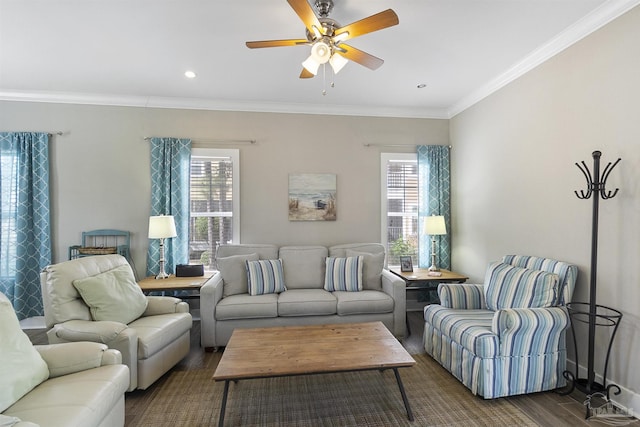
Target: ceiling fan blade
306,74
362,58
276,43
306,14
379,21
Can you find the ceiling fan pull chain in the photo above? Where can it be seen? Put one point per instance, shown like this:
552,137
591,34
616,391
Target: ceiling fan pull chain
324,79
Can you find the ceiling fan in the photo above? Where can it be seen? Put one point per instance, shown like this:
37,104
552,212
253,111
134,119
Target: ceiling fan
326,37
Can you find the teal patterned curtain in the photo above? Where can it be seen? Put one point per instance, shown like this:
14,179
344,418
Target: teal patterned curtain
25,238
434,189
170,162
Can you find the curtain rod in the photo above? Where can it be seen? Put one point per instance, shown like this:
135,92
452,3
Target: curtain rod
367,144
50,134
216,141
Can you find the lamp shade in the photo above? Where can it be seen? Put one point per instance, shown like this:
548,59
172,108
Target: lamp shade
311,65
434,225
162,226
337,62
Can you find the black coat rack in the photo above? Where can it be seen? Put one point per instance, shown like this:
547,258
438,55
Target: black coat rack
592,313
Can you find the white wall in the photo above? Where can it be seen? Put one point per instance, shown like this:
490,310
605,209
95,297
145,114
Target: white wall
514,178
100,168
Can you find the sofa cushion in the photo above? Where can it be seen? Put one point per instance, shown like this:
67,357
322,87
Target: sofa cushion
21,366
265,277
370,248
233,270
343,274
469,328
306,302
83,398
365,302
245,306
264,251
371,270
113,295
566,272
303,266
157,332
514,287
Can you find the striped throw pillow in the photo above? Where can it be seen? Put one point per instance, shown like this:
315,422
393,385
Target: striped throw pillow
507,286
265,277
343,274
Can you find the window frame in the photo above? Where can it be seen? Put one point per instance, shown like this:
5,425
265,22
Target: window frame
385,158
234,155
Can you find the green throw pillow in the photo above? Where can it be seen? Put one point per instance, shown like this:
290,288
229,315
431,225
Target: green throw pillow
21,366
113,295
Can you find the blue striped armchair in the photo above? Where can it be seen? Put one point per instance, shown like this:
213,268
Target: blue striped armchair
506,336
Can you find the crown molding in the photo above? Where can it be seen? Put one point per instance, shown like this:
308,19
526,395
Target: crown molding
220,105
595,20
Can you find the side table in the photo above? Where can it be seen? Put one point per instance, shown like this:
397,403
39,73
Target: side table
173,283
420,280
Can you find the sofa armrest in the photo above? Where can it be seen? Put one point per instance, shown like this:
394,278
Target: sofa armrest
67,358
526,331
164,305
102,331
114,334
210,296
461,296
395,287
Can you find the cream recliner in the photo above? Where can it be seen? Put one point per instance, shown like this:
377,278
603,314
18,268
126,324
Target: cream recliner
59,385
151,344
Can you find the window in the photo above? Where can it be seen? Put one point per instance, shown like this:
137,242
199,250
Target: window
214,203
399,172
8,216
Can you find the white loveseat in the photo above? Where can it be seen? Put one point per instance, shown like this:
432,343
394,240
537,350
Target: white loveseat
60,385
151,332
226,304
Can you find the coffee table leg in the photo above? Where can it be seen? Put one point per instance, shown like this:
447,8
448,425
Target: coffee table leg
403,393
224,403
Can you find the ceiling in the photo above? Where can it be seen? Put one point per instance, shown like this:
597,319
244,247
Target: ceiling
135,52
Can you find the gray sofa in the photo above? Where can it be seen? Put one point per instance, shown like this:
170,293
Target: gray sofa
226,304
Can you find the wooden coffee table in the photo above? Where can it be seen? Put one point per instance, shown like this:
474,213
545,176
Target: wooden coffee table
304,350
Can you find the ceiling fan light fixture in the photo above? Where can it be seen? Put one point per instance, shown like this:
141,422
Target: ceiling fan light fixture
311,65
337,62
321,52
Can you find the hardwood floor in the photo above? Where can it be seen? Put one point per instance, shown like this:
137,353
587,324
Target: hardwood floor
548,409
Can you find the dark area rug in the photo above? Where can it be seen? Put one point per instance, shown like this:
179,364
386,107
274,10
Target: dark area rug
370,398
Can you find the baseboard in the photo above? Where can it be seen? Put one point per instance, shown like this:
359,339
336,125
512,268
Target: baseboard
627,400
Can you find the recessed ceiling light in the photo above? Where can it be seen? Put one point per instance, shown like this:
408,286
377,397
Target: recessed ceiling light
190,74
421,86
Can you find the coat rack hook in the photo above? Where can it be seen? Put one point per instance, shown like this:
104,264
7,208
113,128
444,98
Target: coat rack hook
587,175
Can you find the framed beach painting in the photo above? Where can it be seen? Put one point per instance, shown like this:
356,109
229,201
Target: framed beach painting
312,197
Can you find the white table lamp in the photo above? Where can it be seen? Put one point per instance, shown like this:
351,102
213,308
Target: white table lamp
162,227
434,225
